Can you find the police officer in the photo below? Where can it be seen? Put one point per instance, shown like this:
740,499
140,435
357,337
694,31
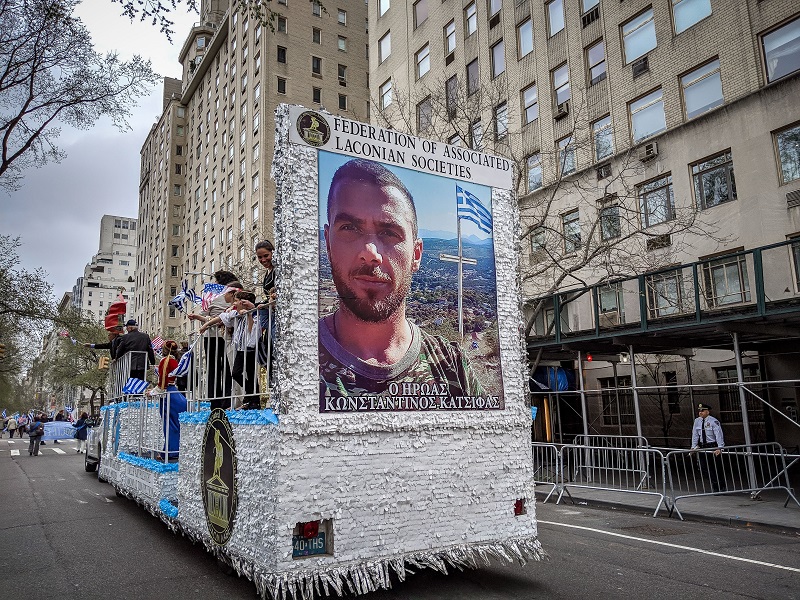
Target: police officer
707,433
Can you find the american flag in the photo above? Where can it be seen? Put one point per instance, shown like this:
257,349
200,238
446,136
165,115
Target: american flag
211,291
157,343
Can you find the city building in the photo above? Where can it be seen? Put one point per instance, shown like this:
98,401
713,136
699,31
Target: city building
111,271
206,196
658,155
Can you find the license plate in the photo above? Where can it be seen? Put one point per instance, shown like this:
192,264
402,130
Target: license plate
307,547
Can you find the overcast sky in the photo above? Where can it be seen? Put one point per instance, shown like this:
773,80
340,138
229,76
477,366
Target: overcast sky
58,209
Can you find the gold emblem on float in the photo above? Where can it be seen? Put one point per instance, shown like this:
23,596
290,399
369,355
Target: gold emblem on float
313,128
218,482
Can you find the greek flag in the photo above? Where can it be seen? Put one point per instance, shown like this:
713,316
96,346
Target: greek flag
471,209
183,365
134,386
178,302
4,413
189,294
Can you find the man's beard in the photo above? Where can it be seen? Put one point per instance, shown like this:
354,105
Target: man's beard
371,309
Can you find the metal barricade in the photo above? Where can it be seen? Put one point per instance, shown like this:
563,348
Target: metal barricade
628,470
736,469
547,467
131,364
611,441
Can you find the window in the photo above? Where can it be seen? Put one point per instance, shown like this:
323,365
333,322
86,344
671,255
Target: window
617,403
342,74
255,182
281,24
561,84
315,9
688,12
525,38
386,93
782,50
316,65
471,19
656,201
588,5
555,16
726,281
665,294
341,17
281,54
571,226
713,180
647,116
176,190
533,167
255,213
455,140
449,38
494,7
639,35
602,135
530,103
702,89
787,143
473,82
383,6
423,60
316,35
342,43
498,58
538,243
730,405
501,120
342,102
384,47
477,135
424,114
256,122
316,95
420,12
566,155
596,61
451,95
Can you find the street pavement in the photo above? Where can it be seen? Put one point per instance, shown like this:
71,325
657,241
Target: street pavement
65,534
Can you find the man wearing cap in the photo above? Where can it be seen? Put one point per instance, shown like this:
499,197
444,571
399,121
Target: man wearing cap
138,342
707,433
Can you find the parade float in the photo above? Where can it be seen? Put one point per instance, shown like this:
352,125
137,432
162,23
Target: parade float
324,491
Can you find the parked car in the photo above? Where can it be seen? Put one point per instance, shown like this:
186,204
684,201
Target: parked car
94,444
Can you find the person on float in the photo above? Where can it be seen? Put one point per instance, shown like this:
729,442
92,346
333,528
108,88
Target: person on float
177,401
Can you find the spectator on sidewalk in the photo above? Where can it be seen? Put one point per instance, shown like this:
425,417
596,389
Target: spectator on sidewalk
35,432
12,427
707,434
82,432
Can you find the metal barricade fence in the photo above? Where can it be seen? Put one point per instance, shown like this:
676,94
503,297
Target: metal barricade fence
124,368
611,441
736,469
628,470
547,467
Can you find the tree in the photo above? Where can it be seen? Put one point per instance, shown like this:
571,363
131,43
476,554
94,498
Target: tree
610,229
51,74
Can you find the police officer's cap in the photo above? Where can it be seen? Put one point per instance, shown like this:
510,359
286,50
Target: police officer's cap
702,406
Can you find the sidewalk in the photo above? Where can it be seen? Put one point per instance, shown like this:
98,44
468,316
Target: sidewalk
737,510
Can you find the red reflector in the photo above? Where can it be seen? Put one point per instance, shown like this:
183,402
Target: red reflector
309,530
519,507
589,358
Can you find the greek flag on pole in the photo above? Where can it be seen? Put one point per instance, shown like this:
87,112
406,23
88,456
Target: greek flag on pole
183,365
471,209
189,294
178,302
134,386
4,413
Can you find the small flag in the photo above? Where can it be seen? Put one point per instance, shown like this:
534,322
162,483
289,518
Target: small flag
74,341
157,343
4,413
471,209
190,294
134,386
183,365
211,291
178,302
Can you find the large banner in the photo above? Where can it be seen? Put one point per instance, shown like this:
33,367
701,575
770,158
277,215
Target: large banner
407,286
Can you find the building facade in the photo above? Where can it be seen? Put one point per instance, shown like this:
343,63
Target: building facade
111,270
212,197
647,135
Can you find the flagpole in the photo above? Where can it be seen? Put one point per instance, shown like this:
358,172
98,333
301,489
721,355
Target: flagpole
460,282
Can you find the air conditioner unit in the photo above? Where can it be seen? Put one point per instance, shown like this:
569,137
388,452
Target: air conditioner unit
648,151
562,110
793,199
640,67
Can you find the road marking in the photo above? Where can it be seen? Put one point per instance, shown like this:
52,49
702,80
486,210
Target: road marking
58,451
15,453
11,442
678,546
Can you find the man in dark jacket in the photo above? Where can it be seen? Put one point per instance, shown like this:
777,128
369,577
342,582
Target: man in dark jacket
137,342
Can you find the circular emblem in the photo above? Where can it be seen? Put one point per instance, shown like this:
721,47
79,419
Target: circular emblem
218,482
313,128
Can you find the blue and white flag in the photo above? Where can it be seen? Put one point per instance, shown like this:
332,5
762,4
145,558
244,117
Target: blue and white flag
4,413
183,365
178,302
471,209
134,386
190,294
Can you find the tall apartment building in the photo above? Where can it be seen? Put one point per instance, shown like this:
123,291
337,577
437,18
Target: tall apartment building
647,134
211,199
111,270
